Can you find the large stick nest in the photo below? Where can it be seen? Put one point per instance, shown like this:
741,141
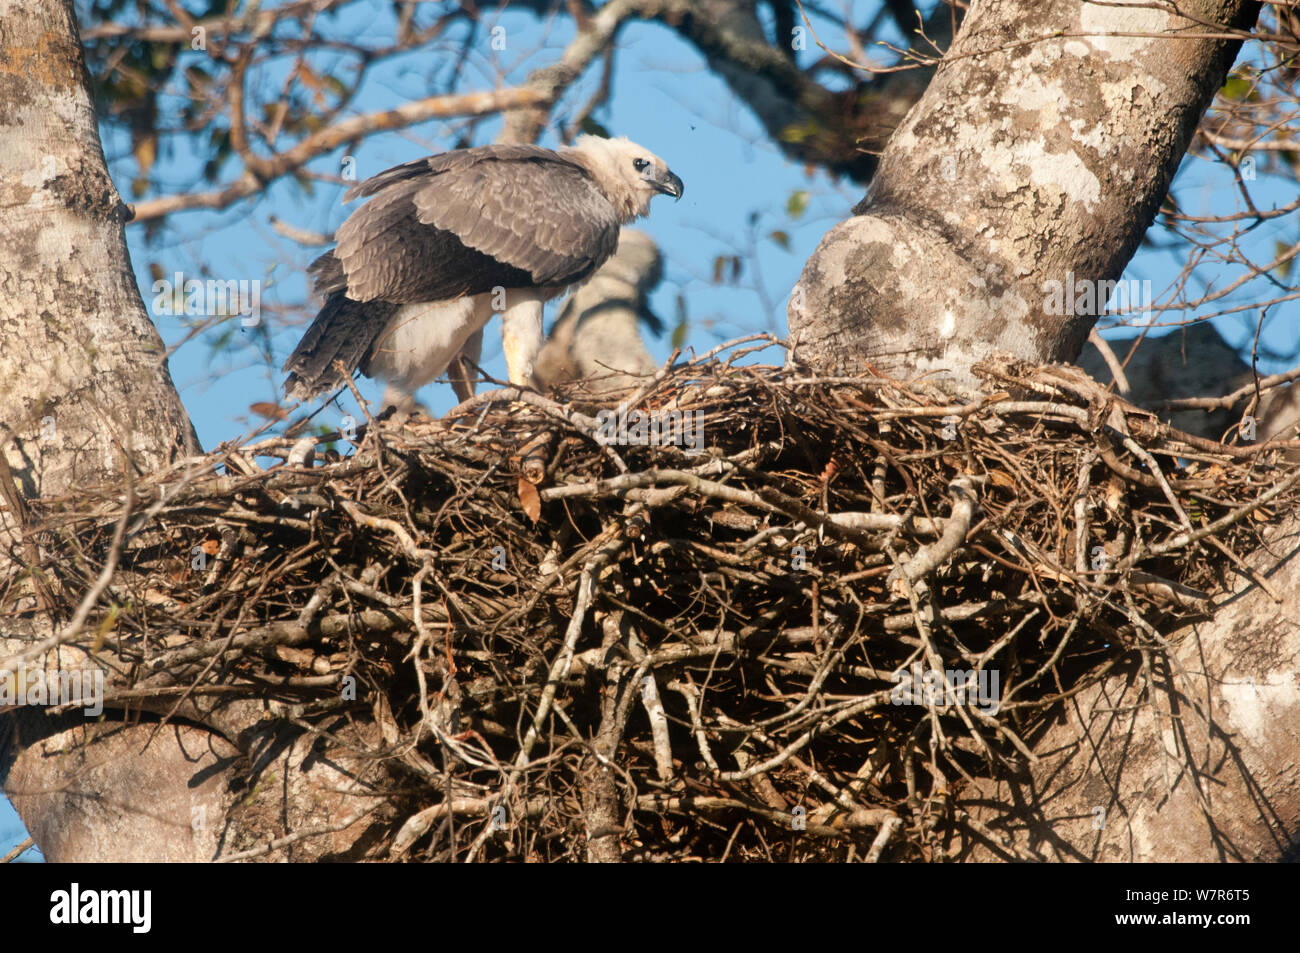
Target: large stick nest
560,649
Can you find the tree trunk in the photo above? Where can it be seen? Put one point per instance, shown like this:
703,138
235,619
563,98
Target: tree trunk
87,399
1039,153
1199,766
87,392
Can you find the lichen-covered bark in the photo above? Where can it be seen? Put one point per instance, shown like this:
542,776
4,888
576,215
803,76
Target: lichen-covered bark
110,792
83,387
85,398
1040,152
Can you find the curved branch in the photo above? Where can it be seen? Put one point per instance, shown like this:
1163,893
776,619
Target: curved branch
431,107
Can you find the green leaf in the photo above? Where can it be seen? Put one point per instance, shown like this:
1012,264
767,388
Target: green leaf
797,203
679,332
799,132
1284,269
221,341
1238,88
160,56
145,150
679,335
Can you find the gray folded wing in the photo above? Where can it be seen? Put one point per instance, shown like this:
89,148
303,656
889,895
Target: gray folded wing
466,222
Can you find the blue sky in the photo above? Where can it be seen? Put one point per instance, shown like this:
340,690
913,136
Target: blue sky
738,188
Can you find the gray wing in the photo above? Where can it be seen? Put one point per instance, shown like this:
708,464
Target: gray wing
541,213
467,221
385,253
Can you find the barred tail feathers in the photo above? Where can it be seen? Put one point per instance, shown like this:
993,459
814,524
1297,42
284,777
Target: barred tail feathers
344,330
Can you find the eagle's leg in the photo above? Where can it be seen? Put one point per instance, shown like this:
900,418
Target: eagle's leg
420,342
403,403
462,373
521,335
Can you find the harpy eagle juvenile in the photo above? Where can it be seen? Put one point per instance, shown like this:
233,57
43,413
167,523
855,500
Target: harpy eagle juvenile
446,241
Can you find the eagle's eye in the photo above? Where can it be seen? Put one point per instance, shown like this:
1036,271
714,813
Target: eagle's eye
640,164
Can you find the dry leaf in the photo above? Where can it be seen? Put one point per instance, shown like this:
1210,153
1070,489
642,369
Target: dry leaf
269,410
1002,478
303,658
384,717
531,501
1262,515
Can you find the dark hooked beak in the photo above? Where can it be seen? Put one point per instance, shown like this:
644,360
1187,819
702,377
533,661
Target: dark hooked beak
670,184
